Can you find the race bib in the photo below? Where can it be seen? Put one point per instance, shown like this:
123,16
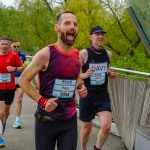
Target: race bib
5,77
64,88
16,80
98,77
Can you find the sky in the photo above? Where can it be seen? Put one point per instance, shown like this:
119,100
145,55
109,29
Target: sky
7,2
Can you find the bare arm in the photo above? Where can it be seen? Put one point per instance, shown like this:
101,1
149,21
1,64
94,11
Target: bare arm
19,69
111,73
81,89
83,58
39,63
110,56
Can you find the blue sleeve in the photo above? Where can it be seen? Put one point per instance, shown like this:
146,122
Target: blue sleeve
23,58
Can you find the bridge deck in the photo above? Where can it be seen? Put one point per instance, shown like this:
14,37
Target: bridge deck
23,139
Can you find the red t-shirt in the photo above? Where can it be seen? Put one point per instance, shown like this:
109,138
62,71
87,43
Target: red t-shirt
7,79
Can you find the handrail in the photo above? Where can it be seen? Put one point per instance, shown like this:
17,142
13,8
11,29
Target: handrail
29,56
119,69
131,71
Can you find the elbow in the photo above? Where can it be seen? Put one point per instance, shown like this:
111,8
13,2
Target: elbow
22,82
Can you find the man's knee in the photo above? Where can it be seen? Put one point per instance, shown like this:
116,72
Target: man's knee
86,129
19,100
106,128
2,113
7,111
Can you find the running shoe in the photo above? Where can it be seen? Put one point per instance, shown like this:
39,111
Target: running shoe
2,145
17,124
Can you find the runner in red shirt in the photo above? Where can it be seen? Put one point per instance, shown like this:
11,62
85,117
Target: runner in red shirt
9,62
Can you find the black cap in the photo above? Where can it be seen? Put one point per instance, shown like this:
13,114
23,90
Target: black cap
97,29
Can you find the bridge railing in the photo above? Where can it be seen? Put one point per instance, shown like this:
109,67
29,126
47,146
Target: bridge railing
130,101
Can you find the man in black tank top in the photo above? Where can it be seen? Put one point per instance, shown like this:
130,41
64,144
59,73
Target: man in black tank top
95,72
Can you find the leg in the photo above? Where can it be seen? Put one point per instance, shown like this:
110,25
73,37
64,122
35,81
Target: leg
2,109
45,135
87,113
105,119
67,134
4,113
6,99
20,93
7,111
84,134
9,97
19,101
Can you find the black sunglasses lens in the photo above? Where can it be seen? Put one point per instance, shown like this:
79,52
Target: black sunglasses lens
16,46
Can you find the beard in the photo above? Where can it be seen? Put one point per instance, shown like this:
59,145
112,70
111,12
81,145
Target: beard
65,40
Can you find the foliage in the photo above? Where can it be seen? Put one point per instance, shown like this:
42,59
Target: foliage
139,62
32,23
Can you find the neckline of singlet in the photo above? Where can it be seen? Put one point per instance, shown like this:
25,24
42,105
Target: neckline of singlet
63,53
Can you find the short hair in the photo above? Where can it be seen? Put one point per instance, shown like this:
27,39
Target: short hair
65,12
4,38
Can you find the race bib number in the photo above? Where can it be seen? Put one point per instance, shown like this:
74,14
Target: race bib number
64,88
16,80
5,77
99,75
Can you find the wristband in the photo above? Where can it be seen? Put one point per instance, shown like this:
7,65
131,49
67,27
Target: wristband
42,102
15,69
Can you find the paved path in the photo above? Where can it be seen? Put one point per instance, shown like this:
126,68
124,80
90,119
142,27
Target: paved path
23,139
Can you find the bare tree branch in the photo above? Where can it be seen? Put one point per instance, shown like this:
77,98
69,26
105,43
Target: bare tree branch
48,5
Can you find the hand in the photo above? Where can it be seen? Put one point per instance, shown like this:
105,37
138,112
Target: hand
51,104
112,74
81,89
89,72
10,68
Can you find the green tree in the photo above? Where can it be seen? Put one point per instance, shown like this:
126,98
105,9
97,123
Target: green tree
32,23
121,39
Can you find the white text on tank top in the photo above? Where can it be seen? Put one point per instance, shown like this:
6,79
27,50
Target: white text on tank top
98,77
64,88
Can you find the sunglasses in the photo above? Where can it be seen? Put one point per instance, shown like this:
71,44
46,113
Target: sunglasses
16,46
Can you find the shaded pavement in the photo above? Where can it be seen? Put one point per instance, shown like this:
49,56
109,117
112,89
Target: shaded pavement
23,139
